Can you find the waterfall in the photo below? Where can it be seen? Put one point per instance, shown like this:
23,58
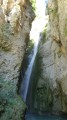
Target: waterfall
26,79
37,28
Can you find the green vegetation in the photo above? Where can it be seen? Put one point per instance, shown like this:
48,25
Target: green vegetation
43,98
65,31
11,105
44,36
53,11
33,4
30,46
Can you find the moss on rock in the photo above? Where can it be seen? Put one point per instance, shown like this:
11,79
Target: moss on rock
43,98
11,105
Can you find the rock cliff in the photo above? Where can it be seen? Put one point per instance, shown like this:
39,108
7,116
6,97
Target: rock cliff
51,92
15,23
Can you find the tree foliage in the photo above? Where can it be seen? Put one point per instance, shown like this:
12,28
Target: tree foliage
33,4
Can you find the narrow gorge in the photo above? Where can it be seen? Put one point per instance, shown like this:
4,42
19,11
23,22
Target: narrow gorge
33,59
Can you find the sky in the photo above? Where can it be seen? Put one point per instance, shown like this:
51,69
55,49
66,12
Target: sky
40,21
40,5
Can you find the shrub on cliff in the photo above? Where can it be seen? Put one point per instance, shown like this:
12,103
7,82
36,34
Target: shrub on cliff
33,4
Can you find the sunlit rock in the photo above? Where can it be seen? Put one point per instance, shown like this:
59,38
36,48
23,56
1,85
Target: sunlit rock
53,56
13,40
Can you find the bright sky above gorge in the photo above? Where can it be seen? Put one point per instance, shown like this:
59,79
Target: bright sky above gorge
40,21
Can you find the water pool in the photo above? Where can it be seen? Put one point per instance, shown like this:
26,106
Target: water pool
44,117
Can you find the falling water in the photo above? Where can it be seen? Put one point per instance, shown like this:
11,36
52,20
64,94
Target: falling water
37,28
26,79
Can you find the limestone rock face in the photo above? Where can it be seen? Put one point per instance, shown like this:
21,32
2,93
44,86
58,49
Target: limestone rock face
15,22
53,56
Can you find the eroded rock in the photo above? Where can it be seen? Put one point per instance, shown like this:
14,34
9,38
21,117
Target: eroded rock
15,24
53,55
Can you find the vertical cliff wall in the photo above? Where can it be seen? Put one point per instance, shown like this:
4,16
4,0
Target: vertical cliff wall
15,23
51,93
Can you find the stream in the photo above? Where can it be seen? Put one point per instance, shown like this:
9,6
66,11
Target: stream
44,117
